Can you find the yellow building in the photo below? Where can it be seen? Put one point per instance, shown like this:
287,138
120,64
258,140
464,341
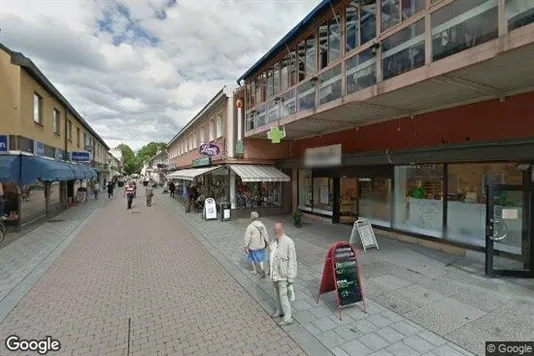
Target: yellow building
40,127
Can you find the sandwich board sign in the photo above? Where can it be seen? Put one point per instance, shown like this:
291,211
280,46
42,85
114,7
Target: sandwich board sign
210,209
364,229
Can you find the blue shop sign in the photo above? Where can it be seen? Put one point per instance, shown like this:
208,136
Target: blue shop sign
4,143
38,148
80,156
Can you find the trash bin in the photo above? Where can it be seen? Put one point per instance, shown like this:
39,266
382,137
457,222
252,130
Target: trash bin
225,211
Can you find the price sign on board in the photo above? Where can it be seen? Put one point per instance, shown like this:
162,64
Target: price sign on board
210,209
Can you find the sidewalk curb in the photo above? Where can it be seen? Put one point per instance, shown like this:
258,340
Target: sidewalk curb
11,300
302,337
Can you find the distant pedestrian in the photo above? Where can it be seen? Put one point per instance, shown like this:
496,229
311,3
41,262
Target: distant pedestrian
129,192
96,189
256,240
283,266
172,188
110,188
149,192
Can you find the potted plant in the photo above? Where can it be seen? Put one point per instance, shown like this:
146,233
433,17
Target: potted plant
297,218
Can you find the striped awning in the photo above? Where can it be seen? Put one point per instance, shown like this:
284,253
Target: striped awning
254,173
191,173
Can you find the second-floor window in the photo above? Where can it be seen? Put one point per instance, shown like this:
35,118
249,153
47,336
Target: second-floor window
69,130
78,136
57,122
194,138
212,130
202,134
37,109
219,125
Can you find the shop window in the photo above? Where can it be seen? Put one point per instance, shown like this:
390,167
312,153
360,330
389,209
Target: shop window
9,202
288,103
404,50
519,13
390,13
33,202
361,71
462,25
306,96
305,196
375,200
330,85
323,195
348,195
37,109
258,194
466,200
418,197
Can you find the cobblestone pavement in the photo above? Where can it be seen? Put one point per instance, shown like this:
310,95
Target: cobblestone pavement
419,301
138,283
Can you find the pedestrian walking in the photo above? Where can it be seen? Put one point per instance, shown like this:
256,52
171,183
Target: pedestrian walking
129,192
96,189
110,188
283,268
172,188
256,241
149,193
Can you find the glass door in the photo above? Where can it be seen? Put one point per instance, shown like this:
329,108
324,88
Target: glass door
509,231
348,196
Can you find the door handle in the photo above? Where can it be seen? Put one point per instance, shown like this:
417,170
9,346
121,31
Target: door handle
503,227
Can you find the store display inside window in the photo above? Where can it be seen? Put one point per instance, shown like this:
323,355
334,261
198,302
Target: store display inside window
348,196
323,195
258,194
305,190
9,201
219,188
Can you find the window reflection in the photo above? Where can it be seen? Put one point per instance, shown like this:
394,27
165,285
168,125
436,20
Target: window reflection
323,46
519,13
334,39
411,7
258,194
330,87
375,200
361,71
360,23
404,50
259,117
272,111
301,49
352,27
310,55
323,195
276,78
270,83
305,196
390,13
284,73
306,96
462,25
289,104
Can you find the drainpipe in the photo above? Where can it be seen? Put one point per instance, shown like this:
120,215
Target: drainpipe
230,122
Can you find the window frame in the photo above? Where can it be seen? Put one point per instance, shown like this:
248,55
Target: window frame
69,130
219,125
56,125
37,104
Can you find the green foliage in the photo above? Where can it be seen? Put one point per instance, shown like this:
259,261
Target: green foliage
133,162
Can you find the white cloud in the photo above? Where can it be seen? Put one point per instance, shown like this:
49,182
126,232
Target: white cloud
140,70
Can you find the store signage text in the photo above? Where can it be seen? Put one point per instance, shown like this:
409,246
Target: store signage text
200,162
38,148
325,156
81,156
4,143
209,149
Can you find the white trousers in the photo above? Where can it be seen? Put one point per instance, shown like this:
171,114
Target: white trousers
282,301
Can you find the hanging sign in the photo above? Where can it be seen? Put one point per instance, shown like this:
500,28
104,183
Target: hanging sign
210,209
276,135
341,273
201,162
364,229
209,149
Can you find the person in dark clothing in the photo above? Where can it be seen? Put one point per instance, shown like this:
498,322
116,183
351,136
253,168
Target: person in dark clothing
110,187
172,188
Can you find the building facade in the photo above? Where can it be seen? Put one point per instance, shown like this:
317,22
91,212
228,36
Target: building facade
420,112
39,124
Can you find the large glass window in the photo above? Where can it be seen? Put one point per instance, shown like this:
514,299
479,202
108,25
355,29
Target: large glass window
219,125
306,96
348,195
390,13
466,206
375,200
305,190
57,122
360,23
310,55
323,46
289,104
462,25
258,89
411,7
258,194
293,66
361,71
270,84
301,49
323,195
367,20
37,109
330,85
418,195
259,118
284,73
404,50
272,111
519,13
276,78
352,16
334,39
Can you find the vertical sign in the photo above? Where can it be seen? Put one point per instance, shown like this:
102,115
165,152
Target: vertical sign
4,143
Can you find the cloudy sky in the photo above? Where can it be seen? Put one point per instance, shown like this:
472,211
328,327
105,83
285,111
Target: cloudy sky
138,70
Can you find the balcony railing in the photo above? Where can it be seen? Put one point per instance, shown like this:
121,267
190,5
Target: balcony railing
454,27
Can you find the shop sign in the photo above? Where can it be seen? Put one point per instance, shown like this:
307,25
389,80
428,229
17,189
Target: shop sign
276,135
325,156
38,148
239,147
209,149
201,162
80,156
60,154
4,143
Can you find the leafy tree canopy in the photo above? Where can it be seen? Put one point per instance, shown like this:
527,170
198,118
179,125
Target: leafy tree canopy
133,162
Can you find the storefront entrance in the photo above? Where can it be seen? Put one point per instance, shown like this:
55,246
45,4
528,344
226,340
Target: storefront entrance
509,231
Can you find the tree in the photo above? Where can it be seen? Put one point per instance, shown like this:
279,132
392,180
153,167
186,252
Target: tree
150,150
131,164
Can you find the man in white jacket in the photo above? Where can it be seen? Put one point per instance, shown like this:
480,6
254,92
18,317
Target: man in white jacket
283,268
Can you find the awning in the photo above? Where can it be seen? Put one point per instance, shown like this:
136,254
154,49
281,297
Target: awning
254,173
191,173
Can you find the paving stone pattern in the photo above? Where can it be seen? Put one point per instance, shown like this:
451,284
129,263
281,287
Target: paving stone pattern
419,301
143,268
